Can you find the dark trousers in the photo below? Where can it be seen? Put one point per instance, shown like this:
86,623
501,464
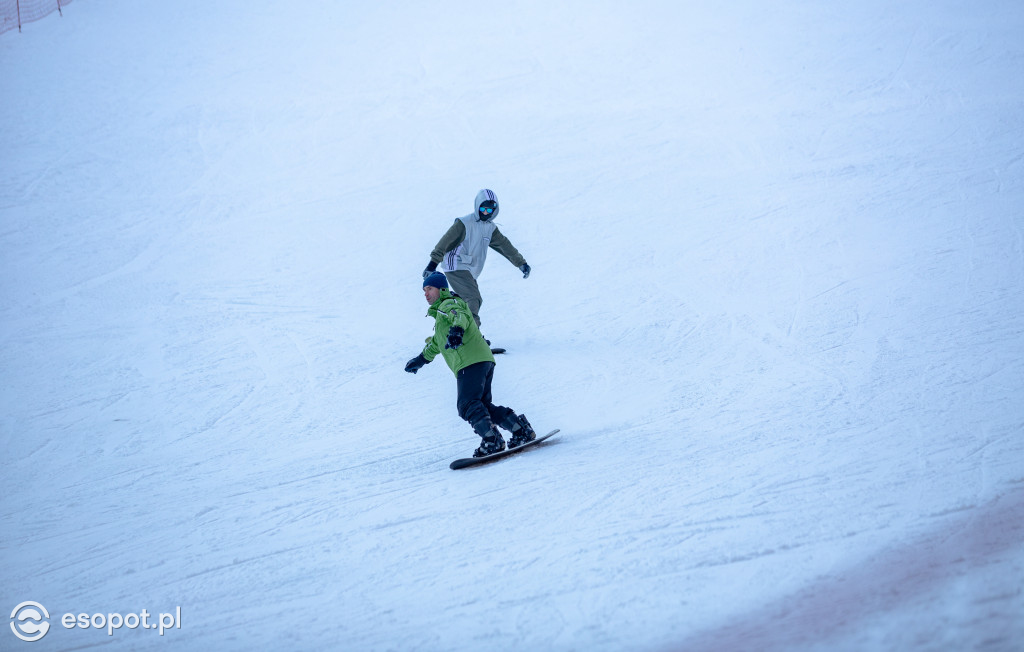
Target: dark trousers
475,404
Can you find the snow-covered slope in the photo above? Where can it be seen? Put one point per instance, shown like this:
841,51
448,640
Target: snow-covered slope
777,310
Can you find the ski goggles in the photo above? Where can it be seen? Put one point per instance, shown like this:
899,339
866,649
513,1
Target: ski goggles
487,208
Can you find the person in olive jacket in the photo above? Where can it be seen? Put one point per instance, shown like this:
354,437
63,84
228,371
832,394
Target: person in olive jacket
458,340
462,250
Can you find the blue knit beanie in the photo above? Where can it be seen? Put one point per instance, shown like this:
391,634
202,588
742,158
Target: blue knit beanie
437,280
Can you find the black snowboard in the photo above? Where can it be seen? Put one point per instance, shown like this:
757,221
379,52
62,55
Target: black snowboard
497,350
473,461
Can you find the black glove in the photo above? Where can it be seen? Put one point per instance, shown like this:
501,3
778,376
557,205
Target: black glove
525,269
429,269
455,334
416,363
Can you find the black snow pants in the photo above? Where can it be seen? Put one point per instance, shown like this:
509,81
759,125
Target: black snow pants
475,404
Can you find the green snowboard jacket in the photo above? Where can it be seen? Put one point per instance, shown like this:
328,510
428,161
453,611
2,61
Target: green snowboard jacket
451,310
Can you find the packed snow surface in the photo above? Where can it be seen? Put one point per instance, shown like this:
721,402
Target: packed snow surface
776,309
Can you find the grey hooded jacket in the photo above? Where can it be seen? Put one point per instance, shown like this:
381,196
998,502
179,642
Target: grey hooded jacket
464,246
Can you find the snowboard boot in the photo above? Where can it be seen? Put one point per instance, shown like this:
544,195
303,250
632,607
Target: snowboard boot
490,443
522,431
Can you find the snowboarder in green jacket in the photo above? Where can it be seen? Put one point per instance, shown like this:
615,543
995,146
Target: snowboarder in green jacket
458,340
462,250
